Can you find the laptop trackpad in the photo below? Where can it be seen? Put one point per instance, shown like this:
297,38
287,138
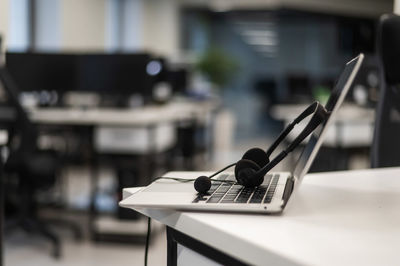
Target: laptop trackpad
170,186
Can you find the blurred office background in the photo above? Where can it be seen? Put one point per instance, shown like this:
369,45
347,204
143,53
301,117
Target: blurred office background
114,93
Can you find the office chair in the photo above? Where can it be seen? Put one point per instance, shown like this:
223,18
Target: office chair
35,170
386,144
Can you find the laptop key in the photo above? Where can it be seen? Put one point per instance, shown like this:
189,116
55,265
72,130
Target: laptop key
244,195
267,180
268,199
213,188
235,189
214,200
241,200
271,189
258,194
256,200
200,197
230,196
216,195
223,188
228,200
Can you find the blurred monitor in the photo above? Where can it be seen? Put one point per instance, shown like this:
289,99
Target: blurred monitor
42,71
157,68
178,78
118,74
356,35
299,86
266,88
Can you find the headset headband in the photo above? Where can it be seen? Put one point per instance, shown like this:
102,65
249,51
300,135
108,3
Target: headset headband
320,114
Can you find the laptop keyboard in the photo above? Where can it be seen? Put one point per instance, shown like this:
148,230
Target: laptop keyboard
235,193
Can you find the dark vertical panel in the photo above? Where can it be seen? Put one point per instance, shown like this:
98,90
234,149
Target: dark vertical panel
31,24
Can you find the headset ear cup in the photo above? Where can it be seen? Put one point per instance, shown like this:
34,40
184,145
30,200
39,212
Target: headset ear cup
245,173
257,155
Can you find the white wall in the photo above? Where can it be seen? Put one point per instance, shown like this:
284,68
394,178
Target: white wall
70,24
161,26
396,8
48,25
132,25
150,25
18,31
83,24
112,25
145,25
4,10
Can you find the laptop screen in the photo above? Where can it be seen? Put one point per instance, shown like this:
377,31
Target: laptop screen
335,100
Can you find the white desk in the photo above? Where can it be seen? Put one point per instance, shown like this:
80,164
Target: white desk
134,131
337,218
353,127
144,116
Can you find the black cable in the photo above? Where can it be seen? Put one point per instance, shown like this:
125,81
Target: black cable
174,178
184,180
146,249
223,169
188,180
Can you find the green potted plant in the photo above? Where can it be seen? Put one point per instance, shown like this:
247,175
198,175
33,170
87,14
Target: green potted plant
217,66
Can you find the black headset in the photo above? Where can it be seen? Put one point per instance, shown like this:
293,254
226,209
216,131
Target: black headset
255,163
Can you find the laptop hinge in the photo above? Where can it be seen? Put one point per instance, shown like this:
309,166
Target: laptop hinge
288,190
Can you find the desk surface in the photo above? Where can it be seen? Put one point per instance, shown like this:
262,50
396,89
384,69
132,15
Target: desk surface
337,218
347,113
148,115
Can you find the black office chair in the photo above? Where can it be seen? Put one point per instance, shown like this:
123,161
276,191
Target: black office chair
35,170
386,143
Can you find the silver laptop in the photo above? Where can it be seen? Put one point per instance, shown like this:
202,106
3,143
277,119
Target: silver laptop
270,197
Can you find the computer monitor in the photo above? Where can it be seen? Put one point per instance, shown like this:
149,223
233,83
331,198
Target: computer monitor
42,71
299,86
178,78
157,68
114,74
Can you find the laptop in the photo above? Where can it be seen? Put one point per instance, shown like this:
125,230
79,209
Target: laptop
270,197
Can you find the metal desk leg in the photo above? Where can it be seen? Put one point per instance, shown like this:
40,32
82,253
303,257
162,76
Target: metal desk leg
1,209
175,237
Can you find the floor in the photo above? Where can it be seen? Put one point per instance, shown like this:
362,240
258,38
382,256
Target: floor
22,249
